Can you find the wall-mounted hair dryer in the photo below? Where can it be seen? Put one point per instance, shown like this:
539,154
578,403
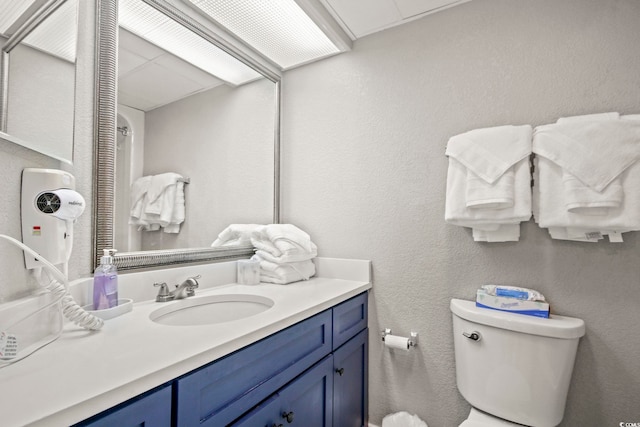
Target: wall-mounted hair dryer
50,206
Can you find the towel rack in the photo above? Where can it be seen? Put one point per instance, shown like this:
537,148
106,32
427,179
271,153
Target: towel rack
185,180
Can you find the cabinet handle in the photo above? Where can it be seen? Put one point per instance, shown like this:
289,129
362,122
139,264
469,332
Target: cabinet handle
340,371
288,416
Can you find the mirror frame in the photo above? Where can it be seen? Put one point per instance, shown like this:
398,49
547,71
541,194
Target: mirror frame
29,25
105,140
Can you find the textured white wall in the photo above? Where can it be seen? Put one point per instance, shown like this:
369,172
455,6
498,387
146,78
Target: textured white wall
14,280
364,173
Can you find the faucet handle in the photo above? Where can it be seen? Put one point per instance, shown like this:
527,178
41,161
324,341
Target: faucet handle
163,294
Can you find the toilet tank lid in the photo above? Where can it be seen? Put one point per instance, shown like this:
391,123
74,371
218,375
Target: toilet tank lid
555,326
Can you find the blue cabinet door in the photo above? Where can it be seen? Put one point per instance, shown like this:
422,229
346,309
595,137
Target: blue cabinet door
305,402
221,392
149,410
350,385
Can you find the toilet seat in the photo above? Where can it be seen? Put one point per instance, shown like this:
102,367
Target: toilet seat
478,418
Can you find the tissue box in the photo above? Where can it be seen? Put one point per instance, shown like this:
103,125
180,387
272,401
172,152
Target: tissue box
512,305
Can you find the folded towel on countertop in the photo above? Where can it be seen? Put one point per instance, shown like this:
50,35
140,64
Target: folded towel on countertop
285,273
283,243
235,234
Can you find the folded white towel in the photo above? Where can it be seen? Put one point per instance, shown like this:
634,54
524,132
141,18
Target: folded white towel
590,117
283,243
490,152
504,233
595,152
178,211
136,197
551,211
482,195
268,251
235,234
580,198
157,191
285,273
488,182
457,212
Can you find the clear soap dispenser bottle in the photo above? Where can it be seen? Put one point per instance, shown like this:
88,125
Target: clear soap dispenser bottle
105,282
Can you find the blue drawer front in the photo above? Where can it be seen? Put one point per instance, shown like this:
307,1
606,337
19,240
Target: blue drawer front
220,392
151,410
306,401
349,318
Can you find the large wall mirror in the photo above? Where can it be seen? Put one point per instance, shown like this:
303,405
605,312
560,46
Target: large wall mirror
37,108
193,139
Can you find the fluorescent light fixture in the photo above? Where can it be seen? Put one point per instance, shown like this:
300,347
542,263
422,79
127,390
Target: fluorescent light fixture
279,29
10,11
58,33
155,27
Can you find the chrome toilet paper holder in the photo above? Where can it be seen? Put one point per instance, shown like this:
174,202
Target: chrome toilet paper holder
412,340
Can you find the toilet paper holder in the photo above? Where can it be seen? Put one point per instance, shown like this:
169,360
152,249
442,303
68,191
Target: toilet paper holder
412,340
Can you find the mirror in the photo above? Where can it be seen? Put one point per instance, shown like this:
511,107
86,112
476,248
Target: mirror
216,126
37,109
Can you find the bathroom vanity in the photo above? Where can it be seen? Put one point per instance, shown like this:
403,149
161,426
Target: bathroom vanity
301,362
312,373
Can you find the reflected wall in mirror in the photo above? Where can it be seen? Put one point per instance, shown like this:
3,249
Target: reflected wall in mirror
186,106
38,85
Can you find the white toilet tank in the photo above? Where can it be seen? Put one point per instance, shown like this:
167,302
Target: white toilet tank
519,368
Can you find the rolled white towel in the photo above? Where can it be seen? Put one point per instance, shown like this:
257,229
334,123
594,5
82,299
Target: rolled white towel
235,234
285,273
283,243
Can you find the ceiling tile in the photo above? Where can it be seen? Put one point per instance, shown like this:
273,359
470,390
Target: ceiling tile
363,17
409,8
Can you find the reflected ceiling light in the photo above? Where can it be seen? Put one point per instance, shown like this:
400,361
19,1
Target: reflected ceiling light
58,33
10,11
279,29
155,27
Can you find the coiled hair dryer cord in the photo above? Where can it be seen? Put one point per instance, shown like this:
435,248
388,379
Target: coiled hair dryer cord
59,286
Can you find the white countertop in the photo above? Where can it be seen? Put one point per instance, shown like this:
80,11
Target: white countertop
83,373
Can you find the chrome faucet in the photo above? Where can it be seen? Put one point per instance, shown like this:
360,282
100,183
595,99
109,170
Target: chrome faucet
184,290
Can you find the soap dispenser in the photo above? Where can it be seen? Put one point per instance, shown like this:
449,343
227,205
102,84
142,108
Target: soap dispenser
105,282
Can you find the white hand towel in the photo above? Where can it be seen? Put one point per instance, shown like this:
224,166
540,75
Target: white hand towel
235,234
482,195
285,273
457,212
580,198
164,204
504,233
490,152
157,189
268,251
590,117
551,211
287,237
283,243
137,194
595,152
178,211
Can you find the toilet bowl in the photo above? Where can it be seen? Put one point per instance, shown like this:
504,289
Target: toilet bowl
513,369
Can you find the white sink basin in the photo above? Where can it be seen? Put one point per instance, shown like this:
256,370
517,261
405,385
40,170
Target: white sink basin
211,309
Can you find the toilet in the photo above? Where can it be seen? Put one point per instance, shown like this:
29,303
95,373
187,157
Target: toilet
513,369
